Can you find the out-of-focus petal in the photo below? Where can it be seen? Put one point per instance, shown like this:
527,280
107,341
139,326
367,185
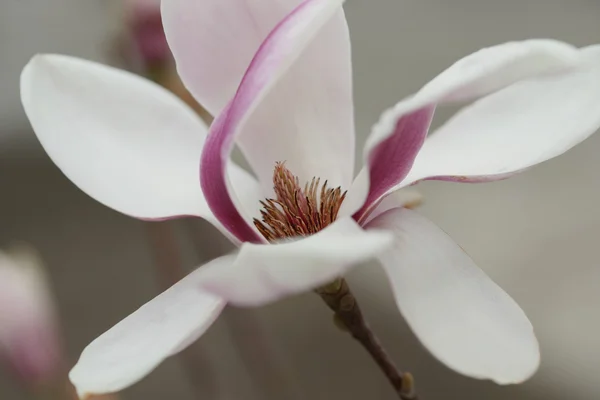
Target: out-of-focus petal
146,32
29,331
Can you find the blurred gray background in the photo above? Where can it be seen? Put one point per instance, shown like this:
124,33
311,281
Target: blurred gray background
537,234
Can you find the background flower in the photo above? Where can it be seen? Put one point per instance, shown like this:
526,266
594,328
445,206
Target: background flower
30,342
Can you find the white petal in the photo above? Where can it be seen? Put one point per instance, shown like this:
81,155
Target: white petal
138,344
282,52
264,273
477,74
527,123
307,117
124,140
467,321
213,42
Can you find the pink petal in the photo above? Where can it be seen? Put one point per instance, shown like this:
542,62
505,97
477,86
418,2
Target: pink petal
307,115
277,53
392,159
29,331
159,329
125,141
213,42
265,273
460,315
478,74
516,128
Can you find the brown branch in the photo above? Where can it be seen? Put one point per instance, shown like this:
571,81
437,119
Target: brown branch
349,317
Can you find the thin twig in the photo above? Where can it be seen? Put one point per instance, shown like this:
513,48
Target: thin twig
349,317
170,271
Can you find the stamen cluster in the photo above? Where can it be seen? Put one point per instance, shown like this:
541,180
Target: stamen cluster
297,211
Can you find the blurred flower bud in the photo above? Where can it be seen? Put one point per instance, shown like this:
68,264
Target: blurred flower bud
144,25
29,335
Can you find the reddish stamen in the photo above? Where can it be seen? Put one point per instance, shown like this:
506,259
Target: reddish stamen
297,212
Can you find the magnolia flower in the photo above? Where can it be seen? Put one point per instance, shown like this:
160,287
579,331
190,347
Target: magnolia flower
29,337
277,76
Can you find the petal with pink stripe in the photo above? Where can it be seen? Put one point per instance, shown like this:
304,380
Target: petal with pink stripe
125,141
275,56
306,119
468,148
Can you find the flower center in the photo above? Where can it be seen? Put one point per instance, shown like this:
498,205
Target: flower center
297,212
